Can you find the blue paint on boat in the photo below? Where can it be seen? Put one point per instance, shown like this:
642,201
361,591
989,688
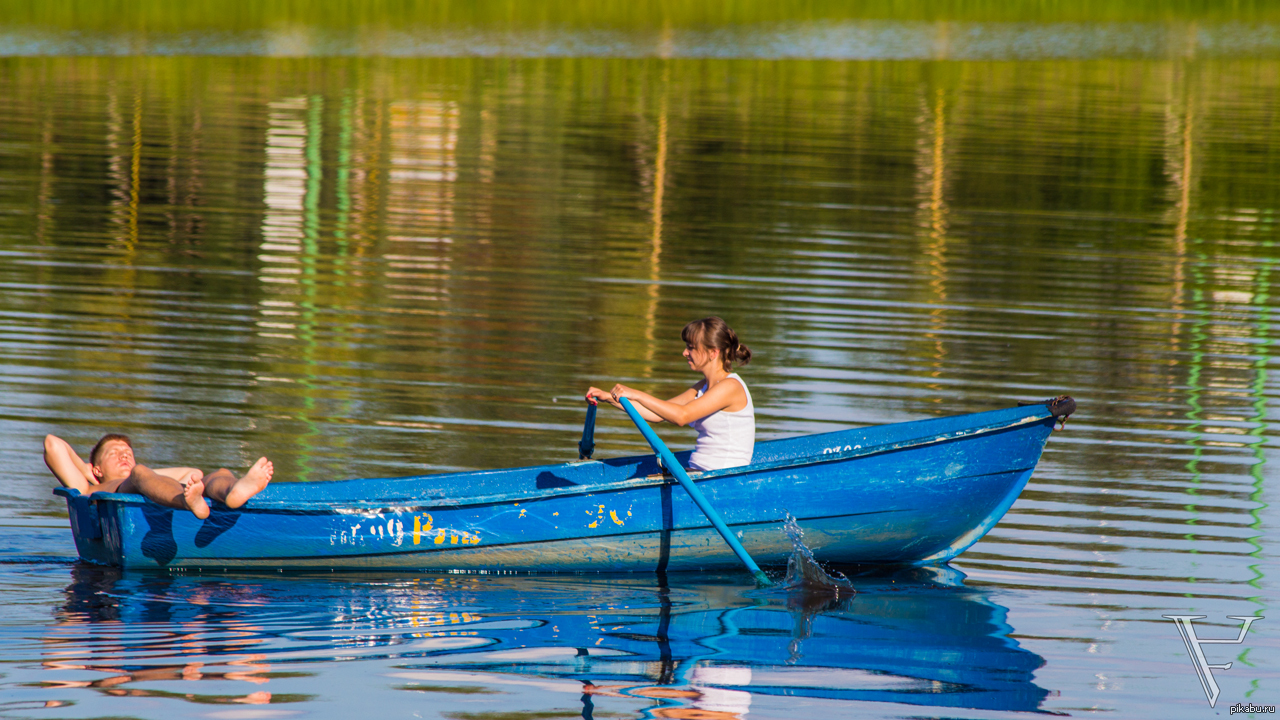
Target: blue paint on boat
906,494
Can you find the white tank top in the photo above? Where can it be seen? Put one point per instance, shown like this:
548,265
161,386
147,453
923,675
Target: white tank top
725,439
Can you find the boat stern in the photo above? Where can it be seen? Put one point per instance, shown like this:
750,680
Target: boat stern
87,527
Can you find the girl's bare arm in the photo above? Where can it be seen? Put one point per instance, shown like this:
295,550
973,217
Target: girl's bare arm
724,395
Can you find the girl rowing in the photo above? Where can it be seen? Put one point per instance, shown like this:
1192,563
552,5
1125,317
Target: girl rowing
719,406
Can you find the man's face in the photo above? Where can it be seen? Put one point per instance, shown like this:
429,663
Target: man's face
115,461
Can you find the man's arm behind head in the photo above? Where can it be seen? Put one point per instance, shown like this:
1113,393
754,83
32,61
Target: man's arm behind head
66,465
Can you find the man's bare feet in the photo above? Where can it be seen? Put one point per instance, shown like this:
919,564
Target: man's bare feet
193,493
251,484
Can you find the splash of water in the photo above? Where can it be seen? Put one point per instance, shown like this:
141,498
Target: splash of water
803,570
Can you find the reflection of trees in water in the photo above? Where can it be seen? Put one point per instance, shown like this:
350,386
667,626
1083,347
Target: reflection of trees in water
464,197
378,17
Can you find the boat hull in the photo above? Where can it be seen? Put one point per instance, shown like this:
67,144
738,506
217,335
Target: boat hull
912,493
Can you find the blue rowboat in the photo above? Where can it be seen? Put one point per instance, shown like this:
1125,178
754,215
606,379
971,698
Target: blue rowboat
914,493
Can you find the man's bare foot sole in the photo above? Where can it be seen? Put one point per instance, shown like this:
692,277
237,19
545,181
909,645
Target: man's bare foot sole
251,484
193,494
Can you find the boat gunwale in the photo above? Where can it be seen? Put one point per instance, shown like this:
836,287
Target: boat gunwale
417,504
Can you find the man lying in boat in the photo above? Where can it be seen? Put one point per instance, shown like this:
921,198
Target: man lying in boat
112,468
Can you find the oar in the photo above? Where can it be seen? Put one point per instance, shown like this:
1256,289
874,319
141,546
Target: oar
587,444
669,461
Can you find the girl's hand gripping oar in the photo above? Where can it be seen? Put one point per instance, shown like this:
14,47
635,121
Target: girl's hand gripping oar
669,461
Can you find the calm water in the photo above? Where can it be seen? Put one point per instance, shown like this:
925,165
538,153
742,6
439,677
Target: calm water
379,257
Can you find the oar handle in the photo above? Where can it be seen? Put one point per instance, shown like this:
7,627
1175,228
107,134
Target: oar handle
670,463
587,444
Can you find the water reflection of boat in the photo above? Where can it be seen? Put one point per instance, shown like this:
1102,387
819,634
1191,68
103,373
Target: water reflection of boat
918,637
909,493
915,637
